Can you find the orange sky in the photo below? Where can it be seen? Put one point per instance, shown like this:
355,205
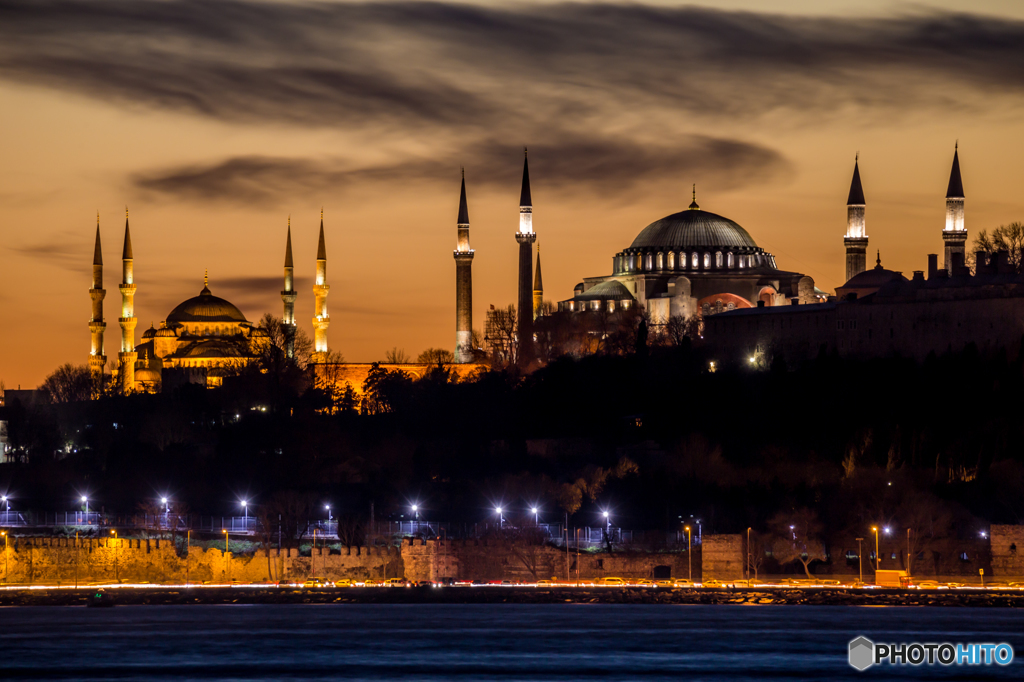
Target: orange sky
215,125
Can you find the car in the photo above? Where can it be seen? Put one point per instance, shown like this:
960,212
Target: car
611,581
644,582
395,582
344,582
545,583
927,585
665,583
369,582
681,582
463,583
288,583
316,582
712,583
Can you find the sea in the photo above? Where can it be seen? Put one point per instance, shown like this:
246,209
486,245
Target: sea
435,642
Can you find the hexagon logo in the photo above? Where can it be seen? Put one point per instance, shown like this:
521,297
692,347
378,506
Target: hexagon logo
862,653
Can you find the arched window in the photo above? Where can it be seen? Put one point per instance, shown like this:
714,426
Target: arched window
671,260
695,261
661,261
729,262
718,259
705,309
707,261
611,306
649,265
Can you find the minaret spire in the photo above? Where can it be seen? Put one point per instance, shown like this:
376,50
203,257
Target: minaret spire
538,289
694,206
321,320
856,239
463,283
288,295
954,235
526,237
97,325
127,356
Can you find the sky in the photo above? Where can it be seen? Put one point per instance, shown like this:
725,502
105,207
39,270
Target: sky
216,121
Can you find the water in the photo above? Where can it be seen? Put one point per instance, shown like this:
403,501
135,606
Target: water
484,642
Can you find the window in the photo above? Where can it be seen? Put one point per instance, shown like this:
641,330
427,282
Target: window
729,262
718,259
671,260
707,261
650,262
695,261
661,261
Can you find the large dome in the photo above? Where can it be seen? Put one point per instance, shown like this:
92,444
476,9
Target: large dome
693,228
206,308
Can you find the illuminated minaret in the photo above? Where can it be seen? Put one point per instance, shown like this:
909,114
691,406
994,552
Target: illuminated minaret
463,283
856,237
538,289
97,358
321,320
526,237
127,356
955,234
288,295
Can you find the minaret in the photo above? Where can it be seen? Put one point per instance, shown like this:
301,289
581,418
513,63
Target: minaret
463,283
127,356
856,237
538,289
97,358
288,295
526,237
321,320
955,234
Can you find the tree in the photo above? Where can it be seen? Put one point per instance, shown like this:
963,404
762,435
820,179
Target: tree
679,330
436,356
501,336
396,356
68,384
1009,238
797,536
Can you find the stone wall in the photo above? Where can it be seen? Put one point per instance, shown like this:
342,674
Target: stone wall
58,560
1007,550
723,556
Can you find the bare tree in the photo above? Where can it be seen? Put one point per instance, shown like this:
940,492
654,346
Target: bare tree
501,336
436,356
68,384
677,329
1009,238
396,356
797,536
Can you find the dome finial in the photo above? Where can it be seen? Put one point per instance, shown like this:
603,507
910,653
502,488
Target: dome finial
206,278
693,204
878,259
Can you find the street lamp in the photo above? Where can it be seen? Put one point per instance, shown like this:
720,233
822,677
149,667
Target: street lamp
748,555
86,501
689,555
878,558
908,551
225,531
117,579
328,507
416,511
860,559
536,518
245,510
4,533
501,519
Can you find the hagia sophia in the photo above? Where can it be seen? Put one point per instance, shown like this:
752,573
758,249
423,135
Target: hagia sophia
690,263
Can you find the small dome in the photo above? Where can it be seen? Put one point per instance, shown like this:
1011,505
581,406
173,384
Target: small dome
205,308
165,331
608,290
213,348
868,282
149,333
693,228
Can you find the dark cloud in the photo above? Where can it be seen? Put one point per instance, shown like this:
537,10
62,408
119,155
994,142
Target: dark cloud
467,68
68,250
572,165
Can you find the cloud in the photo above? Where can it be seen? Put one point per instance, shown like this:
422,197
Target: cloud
573,165
67,250
467,68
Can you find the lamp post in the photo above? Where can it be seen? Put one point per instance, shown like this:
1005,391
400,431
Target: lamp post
608,527
878,558
227,563
225,531
328,507
536,517
4,533
689,554
117,579
167,511
748,555
245,512
312,556
908,551
416,516
7,512
86,501
501,519
188,552
860,559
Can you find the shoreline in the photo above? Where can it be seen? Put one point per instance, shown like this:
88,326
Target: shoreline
830,596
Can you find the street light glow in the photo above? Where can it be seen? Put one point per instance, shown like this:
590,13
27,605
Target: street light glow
497,509
752,359
886,530
163,500
416,507
606,515
84,498
533,510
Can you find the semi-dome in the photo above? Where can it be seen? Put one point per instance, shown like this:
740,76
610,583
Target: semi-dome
205,308
693,228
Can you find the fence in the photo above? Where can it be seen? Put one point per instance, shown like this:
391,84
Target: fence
582,537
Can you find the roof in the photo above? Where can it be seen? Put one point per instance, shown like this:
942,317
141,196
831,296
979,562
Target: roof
127,253
212,348
205,308
538,282
956,184
691,228
97,254
321,249
525,199
856,197
463,207
609,289
288,247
